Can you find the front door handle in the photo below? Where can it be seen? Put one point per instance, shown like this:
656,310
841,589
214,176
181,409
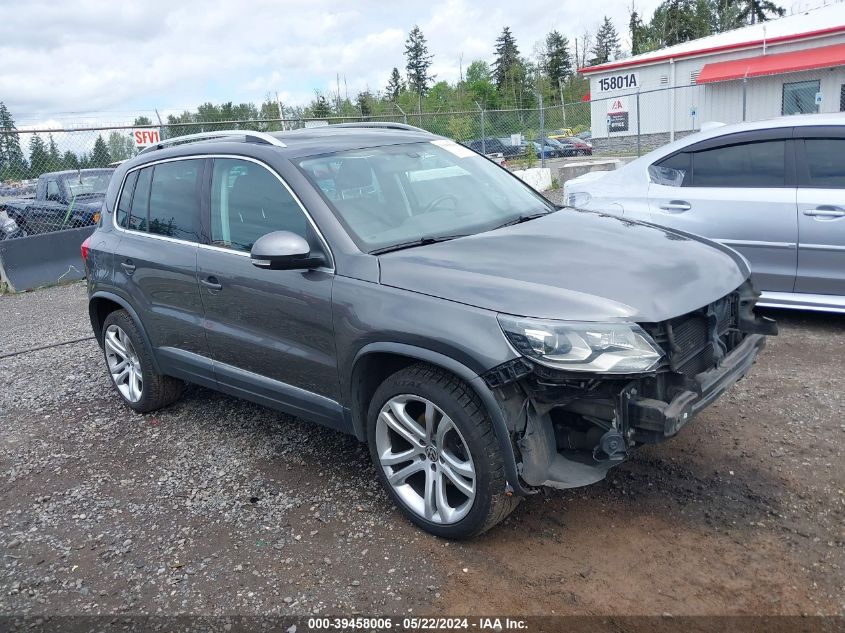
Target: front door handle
825,213
212,283
128,266
677,206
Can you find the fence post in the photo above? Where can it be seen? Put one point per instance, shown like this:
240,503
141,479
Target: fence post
404,115
638,123
542,131
483,140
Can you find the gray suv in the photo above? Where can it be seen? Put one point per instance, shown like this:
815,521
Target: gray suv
397,286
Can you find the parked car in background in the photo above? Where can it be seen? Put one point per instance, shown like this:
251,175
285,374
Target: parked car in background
62,200
394,285
547,150
579,147
495,146
773,190
561,133
586,136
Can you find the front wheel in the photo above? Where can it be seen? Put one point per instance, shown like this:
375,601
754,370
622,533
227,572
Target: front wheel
436,453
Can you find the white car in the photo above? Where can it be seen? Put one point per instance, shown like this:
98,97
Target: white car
773,190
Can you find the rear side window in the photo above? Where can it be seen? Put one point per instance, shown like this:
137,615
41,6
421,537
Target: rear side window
174,199
674,171
125,199
750,165
825,167
138,210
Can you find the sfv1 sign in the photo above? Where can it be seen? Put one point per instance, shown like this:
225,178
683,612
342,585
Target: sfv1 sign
146,136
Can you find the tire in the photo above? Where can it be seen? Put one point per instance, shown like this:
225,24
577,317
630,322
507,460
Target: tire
141,388
452,436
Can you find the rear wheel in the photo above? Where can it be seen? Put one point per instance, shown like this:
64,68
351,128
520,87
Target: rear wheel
436,453
131,369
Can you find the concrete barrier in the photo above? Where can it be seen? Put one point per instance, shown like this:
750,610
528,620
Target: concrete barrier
42,260
538,177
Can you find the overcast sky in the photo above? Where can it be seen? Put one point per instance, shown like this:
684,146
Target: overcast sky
67,60
84,60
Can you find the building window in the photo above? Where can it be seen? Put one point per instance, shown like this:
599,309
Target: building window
842,98
800,97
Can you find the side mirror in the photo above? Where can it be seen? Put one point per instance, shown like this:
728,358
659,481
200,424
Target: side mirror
283,250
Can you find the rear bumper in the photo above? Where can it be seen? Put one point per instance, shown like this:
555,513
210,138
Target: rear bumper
670,417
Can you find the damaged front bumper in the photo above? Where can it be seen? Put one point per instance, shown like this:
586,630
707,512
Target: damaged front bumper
568,430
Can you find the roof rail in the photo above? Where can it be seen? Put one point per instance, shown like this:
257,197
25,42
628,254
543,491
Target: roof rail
190,138
391,125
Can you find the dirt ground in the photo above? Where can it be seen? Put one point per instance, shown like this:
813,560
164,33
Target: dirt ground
218,506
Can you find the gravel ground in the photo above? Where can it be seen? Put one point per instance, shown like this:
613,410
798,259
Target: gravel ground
218,506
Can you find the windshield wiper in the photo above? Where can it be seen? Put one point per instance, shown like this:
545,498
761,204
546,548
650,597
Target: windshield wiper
520,219
423,241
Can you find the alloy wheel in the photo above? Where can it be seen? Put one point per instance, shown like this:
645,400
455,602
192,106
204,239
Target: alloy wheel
425,459
124,364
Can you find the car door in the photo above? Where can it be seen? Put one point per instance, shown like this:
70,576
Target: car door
156,260
270,331
738,190
821,210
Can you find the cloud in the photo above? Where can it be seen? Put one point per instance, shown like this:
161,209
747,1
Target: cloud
95,59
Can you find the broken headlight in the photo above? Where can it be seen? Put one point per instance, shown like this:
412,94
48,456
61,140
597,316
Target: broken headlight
610,348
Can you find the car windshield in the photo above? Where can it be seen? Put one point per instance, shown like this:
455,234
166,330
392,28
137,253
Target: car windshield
397,194
88,184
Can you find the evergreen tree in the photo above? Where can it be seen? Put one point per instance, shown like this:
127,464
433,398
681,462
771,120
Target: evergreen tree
606,47
321,109
142,120
394,85
12,162
364,102
120,146
54,162
70,160
100,156
507,56
419,61
558,61
753,11
638,33
39,158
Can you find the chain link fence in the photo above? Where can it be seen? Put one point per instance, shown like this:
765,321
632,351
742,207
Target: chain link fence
54,179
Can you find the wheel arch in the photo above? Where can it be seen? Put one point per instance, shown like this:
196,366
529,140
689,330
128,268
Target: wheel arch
376,361
101,304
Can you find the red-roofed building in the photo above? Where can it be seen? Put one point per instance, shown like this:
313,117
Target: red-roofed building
791,65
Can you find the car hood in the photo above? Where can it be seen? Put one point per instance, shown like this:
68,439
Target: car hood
572,265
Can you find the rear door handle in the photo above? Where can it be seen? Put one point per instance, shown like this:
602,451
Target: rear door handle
212,283
128,266
676,206
825,213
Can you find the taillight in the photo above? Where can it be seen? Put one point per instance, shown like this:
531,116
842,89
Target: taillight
84,248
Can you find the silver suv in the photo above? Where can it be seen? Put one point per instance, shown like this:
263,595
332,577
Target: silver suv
397,286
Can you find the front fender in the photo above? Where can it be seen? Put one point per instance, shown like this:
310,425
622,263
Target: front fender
477,384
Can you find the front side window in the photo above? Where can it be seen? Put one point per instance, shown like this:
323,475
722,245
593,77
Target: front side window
174,199
248,201
800,97
395,194
749,165
824,162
